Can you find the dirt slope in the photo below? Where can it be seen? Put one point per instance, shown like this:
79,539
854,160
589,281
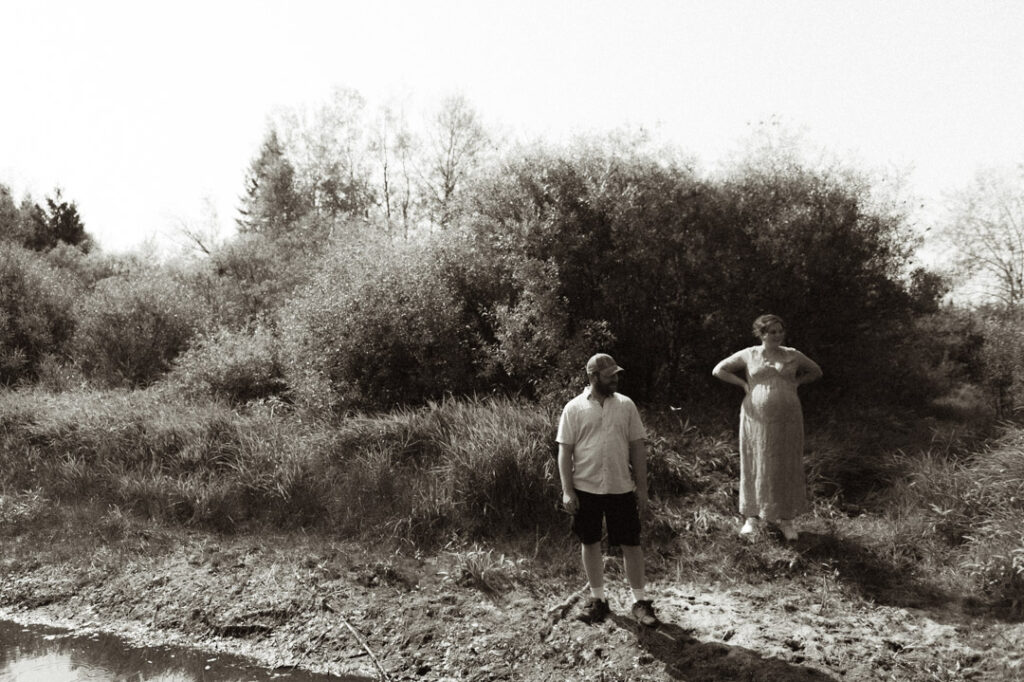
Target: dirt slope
337,608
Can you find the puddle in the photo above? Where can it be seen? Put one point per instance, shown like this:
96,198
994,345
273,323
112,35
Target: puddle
43,654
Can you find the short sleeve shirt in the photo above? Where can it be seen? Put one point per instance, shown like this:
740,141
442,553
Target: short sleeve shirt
600,436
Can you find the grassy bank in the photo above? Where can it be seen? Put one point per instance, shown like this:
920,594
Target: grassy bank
904,510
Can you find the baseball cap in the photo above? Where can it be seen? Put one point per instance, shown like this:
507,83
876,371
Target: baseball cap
603,364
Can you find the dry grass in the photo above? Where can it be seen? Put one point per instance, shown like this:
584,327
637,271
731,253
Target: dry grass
931,515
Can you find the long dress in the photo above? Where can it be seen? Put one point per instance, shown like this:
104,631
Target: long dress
772,481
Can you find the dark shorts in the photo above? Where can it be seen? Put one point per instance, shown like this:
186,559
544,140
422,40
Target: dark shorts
618,511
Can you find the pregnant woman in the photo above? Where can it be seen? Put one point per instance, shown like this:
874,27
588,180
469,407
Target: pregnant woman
772,483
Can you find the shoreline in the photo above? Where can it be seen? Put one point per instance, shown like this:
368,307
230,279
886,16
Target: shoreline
288,600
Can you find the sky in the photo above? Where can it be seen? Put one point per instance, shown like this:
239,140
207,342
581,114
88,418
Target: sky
148,114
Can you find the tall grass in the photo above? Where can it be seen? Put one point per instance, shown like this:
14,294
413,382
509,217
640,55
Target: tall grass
471,468
968,509
481,470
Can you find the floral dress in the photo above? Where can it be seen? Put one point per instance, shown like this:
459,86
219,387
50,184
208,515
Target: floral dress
772,481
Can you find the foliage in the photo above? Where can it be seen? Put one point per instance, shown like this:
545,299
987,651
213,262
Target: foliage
237,366
132,327
88,268
969,360
972,356
60,223
252,275
973,505
37,312
13,224
568,214
1000,356
483,468
327,147
41,228
455,145
393,147
815,248
474,469
464,471
383,328
677,267
985,233
272,204
538,345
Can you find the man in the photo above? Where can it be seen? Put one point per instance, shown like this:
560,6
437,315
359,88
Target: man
602,461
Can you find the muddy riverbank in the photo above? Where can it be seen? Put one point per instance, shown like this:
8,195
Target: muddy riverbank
327,606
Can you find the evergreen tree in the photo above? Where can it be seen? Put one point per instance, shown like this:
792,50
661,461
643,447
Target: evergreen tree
10,217
41,228
272,205
64,223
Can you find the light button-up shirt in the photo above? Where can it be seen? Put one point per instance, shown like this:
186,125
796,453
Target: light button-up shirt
600,436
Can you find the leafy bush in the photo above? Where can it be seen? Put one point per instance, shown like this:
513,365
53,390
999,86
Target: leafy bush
89,268
382,329
538,345
1000,356
677,267
613,230
36,312
131,328
254,275
236,366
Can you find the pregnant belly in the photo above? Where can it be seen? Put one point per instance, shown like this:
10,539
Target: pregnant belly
773,403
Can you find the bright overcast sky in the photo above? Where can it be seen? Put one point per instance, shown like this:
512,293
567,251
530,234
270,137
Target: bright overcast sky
141,111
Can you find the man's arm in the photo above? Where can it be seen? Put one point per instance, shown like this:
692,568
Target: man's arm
638,460
569,499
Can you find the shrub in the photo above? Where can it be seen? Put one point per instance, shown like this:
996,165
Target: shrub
612,227
236,366
89,268
382,329
131,328
538,345
677,266
36,312
1000,355
254,275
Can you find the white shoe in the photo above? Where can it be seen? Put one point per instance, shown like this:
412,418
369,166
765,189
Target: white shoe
750,527
788,531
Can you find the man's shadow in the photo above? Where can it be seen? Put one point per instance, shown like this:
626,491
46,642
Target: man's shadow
687,658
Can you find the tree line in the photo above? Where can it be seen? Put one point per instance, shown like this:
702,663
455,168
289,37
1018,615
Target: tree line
341,159
41,227
375,266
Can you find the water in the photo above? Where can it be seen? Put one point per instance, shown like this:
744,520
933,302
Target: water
42,654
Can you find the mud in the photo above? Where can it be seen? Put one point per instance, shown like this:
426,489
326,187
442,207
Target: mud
331,607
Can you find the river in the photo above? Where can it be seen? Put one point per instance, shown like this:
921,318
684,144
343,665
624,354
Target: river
46,654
